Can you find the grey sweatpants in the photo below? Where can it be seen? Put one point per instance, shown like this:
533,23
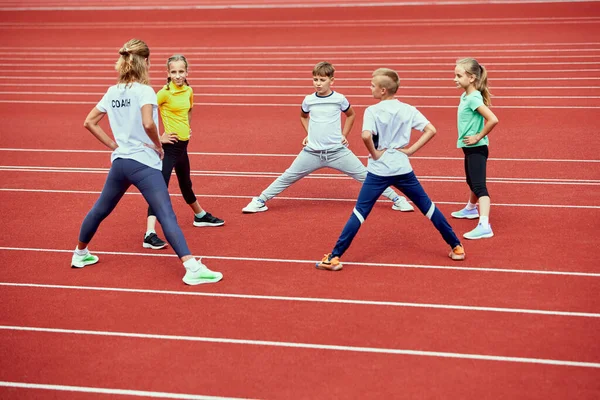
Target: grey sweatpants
341,159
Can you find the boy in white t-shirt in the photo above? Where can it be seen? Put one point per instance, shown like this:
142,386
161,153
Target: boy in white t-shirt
325,144
387,126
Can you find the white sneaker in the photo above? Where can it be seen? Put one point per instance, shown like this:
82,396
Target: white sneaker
480,232
402,205
256,205
202,275
465,213
82,261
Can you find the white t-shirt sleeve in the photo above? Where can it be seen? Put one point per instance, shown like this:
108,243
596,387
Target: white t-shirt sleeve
102,104
344,104
147,96
305,108
369,122
419,120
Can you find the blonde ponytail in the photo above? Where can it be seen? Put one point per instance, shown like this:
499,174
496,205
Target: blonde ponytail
132,64
473,68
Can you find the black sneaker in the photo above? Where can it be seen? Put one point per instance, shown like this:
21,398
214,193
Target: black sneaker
152,241
208,220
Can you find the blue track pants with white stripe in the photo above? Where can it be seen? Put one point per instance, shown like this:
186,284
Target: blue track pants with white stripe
372,188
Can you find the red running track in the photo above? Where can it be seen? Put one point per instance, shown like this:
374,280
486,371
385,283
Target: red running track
518,319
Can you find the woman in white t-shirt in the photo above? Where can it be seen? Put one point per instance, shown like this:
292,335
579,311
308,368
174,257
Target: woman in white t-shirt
136,159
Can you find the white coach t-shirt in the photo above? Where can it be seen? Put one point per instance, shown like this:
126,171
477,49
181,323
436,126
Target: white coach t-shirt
391,123
123,105
325,121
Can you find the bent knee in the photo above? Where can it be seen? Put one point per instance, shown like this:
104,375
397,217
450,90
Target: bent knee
480,191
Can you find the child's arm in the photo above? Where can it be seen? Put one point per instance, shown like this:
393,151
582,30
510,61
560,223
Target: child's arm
304,122
367,138
91,124
167,137
190,119
428,133
490,122
350,117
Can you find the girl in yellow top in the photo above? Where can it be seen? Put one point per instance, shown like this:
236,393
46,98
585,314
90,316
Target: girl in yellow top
175,102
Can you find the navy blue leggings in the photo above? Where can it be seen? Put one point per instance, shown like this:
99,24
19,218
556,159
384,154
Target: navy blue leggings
475,169
372,188
149,181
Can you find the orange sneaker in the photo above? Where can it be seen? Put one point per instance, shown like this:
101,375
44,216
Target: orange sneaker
329,263
457,253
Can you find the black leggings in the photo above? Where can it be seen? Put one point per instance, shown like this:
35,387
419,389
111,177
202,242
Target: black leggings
475,169
176,156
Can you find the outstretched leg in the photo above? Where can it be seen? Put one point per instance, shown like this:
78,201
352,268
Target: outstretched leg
371,189
411,187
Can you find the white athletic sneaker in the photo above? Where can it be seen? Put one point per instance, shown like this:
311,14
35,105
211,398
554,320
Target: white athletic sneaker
402,205
256,205
464,213
82,261
480,232
202,275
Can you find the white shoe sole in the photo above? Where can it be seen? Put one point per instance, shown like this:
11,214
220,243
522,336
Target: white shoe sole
81,265
247,210
486,236
465,216
455,257
324,267
193,282
200,224
403,209
149,246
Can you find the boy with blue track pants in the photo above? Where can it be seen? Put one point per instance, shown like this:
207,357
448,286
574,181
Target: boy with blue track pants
387,126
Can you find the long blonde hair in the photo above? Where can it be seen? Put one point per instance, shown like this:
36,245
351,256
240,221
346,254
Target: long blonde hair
473,68
132,64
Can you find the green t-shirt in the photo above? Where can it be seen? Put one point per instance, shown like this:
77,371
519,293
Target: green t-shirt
470,122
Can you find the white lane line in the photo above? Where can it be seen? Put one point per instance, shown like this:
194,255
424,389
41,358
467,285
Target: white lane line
256,174
311,300
298,95
110,81
309,346
295,24
552,160
113,391
312,262
424,106
169,50
308,64
270,5
570,88
221,196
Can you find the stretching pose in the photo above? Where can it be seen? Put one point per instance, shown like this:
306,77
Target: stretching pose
136,160
325,144
387,127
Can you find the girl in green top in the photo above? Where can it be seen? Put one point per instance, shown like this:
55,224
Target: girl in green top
475,122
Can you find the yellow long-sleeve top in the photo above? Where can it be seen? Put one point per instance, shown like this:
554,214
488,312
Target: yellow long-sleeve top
174,104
